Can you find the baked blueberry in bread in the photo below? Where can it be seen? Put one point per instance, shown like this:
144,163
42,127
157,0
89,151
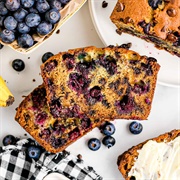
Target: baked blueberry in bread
106,83
52,133
155,159
156,21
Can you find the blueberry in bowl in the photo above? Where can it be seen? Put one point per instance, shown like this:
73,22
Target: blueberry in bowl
25,41
23,28
42,6
12,5
27,3
44,28
7,36
33,20
52,16
10,23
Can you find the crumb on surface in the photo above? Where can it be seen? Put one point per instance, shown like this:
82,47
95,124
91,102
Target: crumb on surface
104,4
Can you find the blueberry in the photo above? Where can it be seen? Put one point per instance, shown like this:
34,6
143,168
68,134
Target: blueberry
44,28
33,10
108,141
53,16
23,28
20,14
12,5
135,127
55,4
18,64
9,140
2,20
94,144
154,3
10,23
42,6
32,20
108,128
7,36
25,41
27,3
34,152
46,56
3,9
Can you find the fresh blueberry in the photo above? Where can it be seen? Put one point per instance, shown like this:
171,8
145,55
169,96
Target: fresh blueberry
7,36
154,3
23,28
10,23
64,2
18,64
32,20
9,140
42,6
34,152
25,41
108,128
27,3
108,141
94,144
135,127
46,56
55,4
3,9
33,10
53,16
2,20
44,28
20,14
12,5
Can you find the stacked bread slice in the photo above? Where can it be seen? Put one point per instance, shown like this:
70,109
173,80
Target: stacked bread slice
84,87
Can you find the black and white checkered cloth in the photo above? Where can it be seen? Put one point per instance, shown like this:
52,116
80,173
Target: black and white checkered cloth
15,164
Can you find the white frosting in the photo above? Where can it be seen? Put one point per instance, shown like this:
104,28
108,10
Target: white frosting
158,161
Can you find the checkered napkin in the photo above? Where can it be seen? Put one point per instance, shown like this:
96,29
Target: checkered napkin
15,164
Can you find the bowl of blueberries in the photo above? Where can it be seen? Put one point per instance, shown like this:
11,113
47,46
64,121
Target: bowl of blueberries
25,24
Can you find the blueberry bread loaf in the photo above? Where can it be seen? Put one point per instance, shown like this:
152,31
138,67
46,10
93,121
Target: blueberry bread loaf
157,158
156,21
107,83
51,133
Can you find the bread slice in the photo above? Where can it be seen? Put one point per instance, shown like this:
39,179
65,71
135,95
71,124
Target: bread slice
127,161
51,133
107,83
156,21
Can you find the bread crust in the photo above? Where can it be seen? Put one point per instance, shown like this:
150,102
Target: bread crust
154,22
126,160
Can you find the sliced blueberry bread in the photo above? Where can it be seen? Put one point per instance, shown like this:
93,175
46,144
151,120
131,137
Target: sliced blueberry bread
107,83
52,133
157,158
156,21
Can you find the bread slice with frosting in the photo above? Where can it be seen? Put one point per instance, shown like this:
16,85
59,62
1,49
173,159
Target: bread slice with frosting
155,159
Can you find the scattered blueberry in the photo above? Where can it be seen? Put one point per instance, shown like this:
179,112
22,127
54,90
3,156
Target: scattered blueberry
34,152
46,56
18,64
108,141
135,127
25,41
42,6
108,128
9,140
55,4
7,36
32,20
23,28
94,144
10,23
27,3
12,5
20,14
3,9
52,16
44,28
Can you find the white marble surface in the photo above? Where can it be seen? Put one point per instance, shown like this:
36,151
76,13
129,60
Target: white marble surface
78,32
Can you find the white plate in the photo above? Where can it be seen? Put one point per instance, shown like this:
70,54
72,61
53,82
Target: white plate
169,73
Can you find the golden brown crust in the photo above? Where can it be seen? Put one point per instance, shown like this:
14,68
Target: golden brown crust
158,23
57,82
126,160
